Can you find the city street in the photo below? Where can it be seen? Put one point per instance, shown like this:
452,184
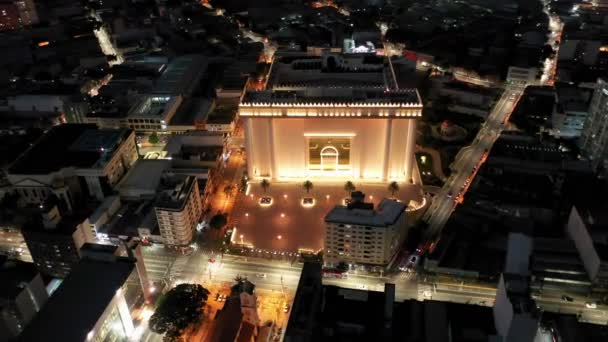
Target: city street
468,161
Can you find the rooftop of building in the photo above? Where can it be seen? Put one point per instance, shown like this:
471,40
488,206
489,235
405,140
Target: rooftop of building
174,191
192,111
333,97
331,70
181,75
14,274
144,176
131,216
199,153
70,145
153,106
387,213
64,316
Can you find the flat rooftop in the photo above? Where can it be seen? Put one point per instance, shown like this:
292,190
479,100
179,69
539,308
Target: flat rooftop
72,311
333,70
337,97
144,176
152,106
129,217
192,111
173,191
387,213
70,145
181,75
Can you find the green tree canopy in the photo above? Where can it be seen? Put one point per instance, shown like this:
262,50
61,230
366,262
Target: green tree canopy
178,308
153,138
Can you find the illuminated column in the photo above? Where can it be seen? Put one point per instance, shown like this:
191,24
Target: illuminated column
249,147
409,152
274,172
387,148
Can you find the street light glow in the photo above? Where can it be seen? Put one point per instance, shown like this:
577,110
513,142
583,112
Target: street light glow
279,237
282,215
246,214
284,195
327,196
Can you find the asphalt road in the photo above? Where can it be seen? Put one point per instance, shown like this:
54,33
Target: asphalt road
468,161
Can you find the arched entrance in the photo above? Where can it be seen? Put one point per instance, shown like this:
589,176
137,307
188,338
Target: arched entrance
329,158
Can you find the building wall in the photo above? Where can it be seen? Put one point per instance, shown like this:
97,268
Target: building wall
594,138
177,226
278,148
361,244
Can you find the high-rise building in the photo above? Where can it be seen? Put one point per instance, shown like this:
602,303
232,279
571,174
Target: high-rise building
54,240
361,234
94,303
594,137
22,294
178,208
331,116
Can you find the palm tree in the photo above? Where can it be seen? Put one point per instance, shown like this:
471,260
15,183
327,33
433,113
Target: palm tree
307,186
349,187
228,189
393,187
265,184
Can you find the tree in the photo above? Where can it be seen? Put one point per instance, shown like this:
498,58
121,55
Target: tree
228,190
349,187
178,308
218,221
265,184
153,138
307,186
393,187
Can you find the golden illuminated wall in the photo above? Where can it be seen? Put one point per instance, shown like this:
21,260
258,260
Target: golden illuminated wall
380,148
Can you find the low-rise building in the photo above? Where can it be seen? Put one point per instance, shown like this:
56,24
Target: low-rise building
73,162
361,234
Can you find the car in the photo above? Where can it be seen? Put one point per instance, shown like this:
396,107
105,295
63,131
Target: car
413,259
346,201
261,275
361,287
217,297
591,305
427,294
567,298
286,308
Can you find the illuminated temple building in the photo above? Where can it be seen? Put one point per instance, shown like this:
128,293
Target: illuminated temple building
331,116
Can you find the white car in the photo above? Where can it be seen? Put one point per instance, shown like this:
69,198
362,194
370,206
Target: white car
427,294
591,305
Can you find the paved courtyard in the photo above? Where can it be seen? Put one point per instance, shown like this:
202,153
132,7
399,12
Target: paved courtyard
286,225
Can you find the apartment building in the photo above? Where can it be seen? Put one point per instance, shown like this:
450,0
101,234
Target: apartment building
178,208
361,234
